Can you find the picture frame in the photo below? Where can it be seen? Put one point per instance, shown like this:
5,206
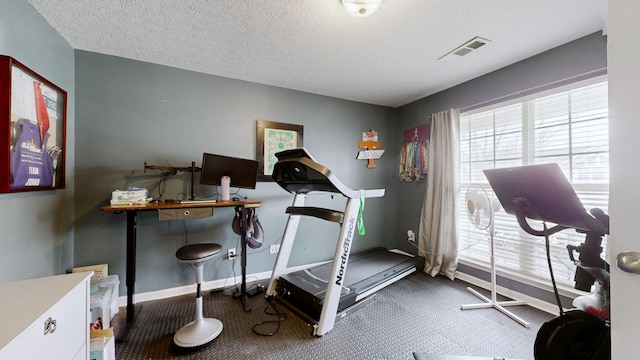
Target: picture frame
416,141
33,114
273,137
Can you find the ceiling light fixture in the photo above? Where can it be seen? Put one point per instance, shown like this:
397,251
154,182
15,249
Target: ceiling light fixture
361,8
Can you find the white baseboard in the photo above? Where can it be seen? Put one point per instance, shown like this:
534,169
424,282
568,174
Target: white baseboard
222,283
206,286
190,289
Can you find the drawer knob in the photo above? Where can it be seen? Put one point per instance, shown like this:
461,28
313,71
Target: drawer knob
49,326
187,213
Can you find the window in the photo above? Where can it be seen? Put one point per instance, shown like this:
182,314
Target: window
568,126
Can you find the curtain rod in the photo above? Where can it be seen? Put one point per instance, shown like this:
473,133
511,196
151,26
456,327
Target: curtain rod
550,85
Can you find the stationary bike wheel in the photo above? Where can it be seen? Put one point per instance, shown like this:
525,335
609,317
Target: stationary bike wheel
576,335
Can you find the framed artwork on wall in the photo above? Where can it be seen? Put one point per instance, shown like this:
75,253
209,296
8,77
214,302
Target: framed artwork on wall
32,130
271,138
414,155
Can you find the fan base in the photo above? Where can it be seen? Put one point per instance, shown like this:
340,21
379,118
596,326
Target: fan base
498,305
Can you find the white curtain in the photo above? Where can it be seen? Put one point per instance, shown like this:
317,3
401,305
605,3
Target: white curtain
438,238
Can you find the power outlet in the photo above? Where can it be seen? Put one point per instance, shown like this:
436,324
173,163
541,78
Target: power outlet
231,254
274,248
411,236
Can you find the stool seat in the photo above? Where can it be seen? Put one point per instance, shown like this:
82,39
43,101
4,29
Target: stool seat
198,252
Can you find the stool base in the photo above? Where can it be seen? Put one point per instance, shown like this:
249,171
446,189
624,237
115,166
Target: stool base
198,332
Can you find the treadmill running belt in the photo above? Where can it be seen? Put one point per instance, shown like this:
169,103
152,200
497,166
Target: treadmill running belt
305,289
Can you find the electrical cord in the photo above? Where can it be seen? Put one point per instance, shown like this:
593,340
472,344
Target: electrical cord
162,182
463,249
553,279
270,310
186,232
233,271
234,285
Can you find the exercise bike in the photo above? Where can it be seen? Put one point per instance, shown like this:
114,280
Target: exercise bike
542,192
583,332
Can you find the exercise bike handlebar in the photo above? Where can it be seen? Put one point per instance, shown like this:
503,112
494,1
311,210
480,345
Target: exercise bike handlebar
522,221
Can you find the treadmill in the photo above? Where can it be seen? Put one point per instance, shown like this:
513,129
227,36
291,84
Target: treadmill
325,293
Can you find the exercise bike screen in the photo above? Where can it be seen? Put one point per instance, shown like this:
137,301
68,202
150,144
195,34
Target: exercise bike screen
549,195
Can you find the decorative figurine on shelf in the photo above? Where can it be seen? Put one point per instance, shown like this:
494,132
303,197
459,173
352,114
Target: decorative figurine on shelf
371,147
414,157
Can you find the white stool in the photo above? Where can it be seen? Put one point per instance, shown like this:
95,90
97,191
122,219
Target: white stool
201,330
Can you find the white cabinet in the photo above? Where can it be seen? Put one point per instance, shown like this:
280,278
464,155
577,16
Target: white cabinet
45,318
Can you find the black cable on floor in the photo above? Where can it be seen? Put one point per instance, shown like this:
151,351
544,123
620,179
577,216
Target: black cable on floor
553,279
270,310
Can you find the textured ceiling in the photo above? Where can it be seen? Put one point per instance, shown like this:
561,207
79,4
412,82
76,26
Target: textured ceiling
388,58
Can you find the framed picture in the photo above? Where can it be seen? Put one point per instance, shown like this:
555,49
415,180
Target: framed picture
414,156
32,130
271,138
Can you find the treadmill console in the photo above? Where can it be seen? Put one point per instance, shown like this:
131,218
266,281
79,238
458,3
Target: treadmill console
297,172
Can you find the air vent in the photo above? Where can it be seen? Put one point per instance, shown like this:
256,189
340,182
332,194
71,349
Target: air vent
466,48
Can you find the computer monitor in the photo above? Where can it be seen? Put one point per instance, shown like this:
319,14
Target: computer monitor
548,195
243,172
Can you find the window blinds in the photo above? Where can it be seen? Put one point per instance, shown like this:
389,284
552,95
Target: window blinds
568,126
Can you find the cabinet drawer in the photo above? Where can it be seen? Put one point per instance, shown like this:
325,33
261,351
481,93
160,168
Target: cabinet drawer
185,213
70,334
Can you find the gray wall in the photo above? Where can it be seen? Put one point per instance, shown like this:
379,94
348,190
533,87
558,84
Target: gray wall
553,68
130,112
37,227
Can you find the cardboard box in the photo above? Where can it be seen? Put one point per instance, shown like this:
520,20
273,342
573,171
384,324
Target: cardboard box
99,271
102,345
129,197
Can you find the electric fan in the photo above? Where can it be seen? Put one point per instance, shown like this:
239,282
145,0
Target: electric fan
480,210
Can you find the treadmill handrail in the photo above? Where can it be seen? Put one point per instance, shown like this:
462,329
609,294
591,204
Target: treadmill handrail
335,182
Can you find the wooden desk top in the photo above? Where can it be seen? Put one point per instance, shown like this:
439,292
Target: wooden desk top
161,205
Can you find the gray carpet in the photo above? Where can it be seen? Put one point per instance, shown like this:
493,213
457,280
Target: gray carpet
416,314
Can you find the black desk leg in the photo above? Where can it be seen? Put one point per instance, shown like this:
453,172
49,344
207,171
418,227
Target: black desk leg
131,274
244,297
131,262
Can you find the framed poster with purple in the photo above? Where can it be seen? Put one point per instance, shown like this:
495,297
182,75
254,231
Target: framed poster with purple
32,130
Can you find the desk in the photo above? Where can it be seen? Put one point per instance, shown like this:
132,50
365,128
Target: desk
132,212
